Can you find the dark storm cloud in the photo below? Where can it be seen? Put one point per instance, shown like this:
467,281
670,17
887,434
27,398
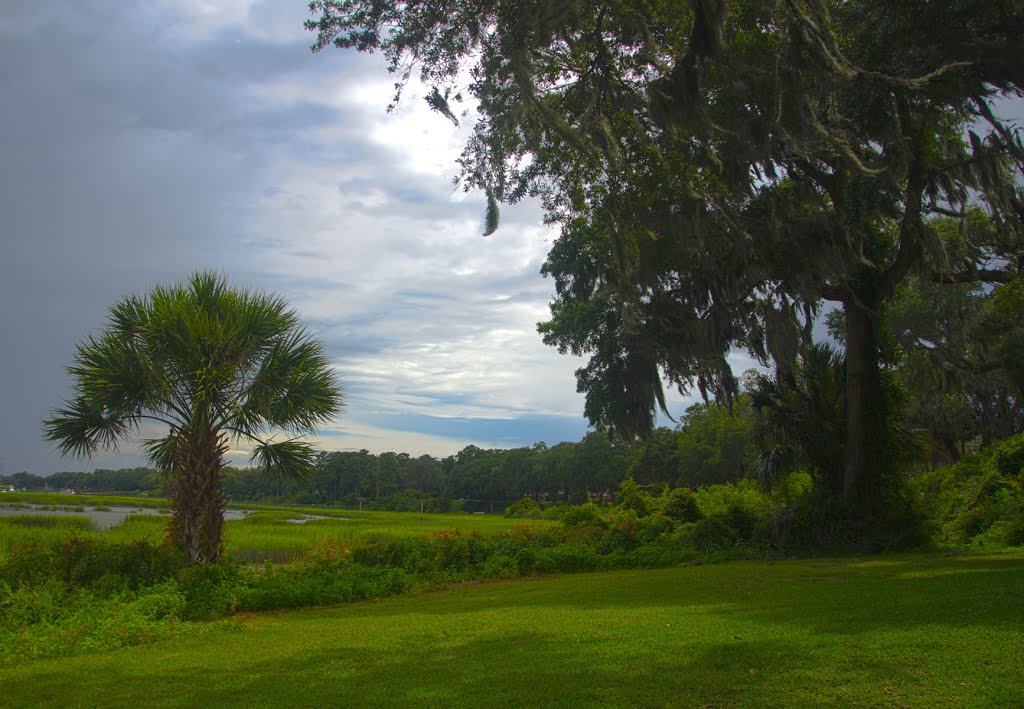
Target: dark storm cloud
126,157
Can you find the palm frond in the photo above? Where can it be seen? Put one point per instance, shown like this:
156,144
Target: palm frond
162,452
80,428
291,459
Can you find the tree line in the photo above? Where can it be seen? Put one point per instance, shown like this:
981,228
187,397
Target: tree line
709,445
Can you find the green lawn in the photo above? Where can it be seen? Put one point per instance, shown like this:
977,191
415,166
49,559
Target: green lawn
908,630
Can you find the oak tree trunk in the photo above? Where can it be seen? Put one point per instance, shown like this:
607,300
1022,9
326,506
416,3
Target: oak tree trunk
865,413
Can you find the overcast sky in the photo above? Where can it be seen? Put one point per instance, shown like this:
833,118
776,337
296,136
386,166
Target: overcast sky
140,141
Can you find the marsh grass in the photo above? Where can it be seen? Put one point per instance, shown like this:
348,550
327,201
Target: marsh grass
57,529
277,534
16,530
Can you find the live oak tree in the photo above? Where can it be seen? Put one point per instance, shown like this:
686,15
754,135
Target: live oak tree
720,169
961,349
212,366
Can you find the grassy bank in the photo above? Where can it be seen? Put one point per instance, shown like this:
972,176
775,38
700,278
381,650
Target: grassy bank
920,629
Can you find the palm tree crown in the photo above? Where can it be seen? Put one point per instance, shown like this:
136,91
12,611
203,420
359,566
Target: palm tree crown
213,365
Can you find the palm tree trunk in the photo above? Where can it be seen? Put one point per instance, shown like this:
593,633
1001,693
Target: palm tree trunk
197,500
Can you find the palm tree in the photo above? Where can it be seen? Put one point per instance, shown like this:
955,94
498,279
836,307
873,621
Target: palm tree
801,417
213,367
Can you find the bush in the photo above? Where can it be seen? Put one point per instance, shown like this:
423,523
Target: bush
210,590
717,500
743,520
654,556
160,602
635,498
977,501
83,563
585,515
567,558
622,531
526,507
1009,456
438,504
318,582
712,534
681,505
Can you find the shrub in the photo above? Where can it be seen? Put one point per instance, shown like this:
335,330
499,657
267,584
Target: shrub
717,500
584,515
712,534
635,498
438,504
84,563
681,505
1009,456
210,590
501,567
743,520
526,507
317,582
568,558
653,556
160,602
622,531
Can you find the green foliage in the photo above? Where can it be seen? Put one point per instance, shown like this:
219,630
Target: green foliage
635,498
1009,457
800,418
567,558
714,444
713,534
717,500
681,505
979,500
581,515
317,583
526,507
91,564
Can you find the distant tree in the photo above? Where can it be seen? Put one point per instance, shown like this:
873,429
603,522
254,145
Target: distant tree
714,444
213,365
423,474
655,458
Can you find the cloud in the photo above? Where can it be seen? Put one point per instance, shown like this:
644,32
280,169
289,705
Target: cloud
145,141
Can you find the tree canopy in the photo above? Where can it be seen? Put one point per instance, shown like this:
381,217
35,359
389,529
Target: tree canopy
720,169
209,365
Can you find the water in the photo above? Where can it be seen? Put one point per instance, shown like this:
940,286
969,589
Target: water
103,519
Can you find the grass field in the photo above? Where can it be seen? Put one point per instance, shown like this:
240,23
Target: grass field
267,533
908,630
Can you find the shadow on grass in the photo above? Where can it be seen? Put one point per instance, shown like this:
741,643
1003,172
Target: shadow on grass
525,669
842,596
